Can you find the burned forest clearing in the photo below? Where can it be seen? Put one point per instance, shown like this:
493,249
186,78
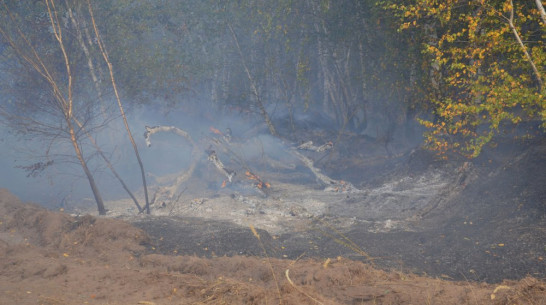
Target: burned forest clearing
416,212
264,152
413,234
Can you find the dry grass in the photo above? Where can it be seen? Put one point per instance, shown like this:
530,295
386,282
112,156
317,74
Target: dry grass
268,260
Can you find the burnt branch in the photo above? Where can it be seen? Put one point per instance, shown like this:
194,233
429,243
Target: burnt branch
331,185
35,169
155,129
310,146
213,158
169,192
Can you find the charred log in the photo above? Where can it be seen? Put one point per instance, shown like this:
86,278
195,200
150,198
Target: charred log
167,193
330,185
155,129
213,158
310,146
222,142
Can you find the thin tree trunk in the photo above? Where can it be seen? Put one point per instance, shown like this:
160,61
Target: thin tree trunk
89,39
323,62
114,85
541,11
329,94
98,89
65,104
68,106
83,163
363,83
332,98
346,96
90,64
259,102
523,48
109,164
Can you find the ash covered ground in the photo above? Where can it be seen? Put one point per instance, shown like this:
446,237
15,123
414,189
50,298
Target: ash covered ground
389,229
480,220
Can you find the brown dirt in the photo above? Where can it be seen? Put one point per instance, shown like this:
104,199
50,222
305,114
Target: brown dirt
53,258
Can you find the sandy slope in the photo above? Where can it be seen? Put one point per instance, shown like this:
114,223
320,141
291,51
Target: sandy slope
53,258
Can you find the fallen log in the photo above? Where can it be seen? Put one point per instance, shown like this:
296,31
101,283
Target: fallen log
155,129
310,146
213,158
330,185
167,193
223,142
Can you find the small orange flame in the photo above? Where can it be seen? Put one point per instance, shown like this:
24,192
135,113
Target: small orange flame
215,131
223,184
260,184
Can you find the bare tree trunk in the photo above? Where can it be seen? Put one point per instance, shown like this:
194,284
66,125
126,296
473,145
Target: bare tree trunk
68,106
85,49
333,96
363,84
83,163
89,39
109,164
323,62
346,95
65,104
98,89
259,102
110,68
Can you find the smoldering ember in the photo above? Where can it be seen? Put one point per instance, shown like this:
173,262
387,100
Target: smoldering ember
257,152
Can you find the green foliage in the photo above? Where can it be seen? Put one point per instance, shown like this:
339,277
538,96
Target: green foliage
480,72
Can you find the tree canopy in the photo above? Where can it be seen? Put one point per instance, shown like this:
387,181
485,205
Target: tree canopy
462,67
487,61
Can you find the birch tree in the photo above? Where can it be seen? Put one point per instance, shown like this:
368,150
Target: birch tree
492,56
59,102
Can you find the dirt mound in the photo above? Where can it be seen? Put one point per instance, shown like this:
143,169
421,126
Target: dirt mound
53,258
29,224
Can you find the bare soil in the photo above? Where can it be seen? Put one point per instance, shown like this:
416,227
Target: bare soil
416,231
53,258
